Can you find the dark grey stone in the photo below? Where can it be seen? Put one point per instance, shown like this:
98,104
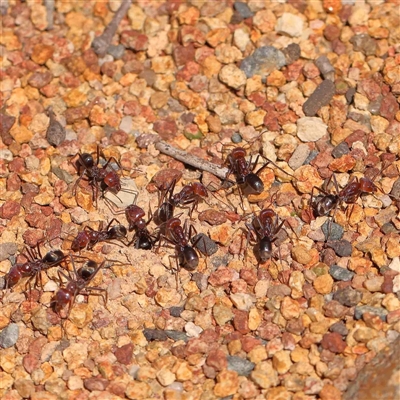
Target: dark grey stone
321,97
240,365
201,280
311,157
177,335
117,51
155,334
292,53
62,174
348,296
396,190
374,106
364,43
325,67
350,95
243,9
340,274
176,311
9,336
339,327
389,228
204,244
342,248
332,231
340,150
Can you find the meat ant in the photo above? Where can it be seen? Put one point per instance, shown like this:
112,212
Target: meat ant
185,254
142,238
352,191
192,193
103,178
77,284
89,237
263,231
33,267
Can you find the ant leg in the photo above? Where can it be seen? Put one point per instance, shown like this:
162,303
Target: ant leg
103,295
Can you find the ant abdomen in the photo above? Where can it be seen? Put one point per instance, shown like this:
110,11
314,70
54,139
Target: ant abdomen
265,249
254,184
53,256
86,160
188,258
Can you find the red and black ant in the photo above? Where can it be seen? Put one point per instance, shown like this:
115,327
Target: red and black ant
263,232
103,178
33,267
192,193
77,284
89,237
142,238
185,254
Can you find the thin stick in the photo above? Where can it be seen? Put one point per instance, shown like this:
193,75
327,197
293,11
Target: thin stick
192,160
102,42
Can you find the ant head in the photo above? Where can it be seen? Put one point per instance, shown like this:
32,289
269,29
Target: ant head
134,213
86,160
367,186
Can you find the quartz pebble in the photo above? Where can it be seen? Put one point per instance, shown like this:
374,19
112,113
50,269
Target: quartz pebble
310,129
9,336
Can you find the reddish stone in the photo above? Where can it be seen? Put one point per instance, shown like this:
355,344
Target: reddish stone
166,128
40,79
74,64
213,217
50,90
13,182
295,326
54,228
109,68
334,309
132,107
179,351
119,137
209,336
249,342
387,285
32,236
117,388
294,71
30,363
190,35
183,55
124,353
6,123
134,40
241,321
221,276
164,178
249,276
209,372
133,66
370,88
271,118
196,345
331,32
389,107
342,164
288,341
268,330
258,98
75,114
217,360
96,383
338,47
68,80
333,342
36,220
9,209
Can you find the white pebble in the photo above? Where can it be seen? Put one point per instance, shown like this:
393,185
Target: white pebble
6,154
290,24
310,129
193,330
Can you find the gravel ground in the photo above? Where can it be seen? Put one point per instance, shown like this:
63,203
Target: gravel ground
314,86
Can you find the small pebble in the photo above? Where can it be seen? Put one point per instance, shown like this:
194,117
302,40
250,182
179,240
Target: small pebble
7,249
177,335
340,274
236,138
339,327
55,133
155,334
9,336
311,157
243,9
117,51
290,24
292,53
176,311
332,230
240,365
310,129
340,150
263,61
319,98
204,244
380,312
348,296
6,154
325,67
342,248
213,217
396,190
350,95
299,156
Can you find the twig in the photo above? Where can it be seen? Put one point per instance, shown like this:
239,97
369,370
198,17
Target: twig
192,160
102,42
49,4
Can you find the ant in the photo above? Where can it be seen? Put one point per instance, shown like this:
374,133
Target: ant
77,284
33,267
103,178
142,238
89,237
265,226
185,254
191,193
